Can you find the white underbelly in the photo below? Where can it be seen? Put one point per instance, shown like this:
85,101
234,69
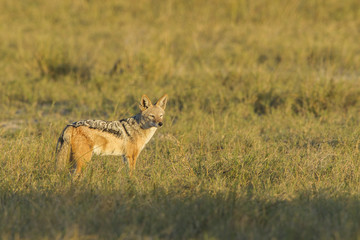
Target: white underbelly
98,150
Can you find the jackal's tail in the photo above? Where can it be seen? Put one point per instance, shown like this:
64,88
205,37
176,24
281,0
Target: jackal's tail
63,149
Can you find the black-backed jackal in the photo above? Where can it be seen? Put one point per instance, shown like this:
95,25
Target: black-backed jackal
127,137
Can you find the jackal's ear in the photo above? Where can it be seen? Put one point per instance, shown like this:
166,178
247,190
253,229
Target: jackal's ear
145,103
162,101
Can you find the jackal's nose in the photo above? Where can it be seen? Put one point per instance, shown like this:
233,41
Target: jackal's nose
160,124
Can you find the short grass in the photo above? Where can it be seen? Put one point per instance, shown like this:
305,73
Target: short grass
261,139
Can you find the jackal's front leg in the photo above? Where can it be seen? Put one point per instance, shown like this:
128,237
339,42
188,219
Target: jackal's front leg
128,160
131,162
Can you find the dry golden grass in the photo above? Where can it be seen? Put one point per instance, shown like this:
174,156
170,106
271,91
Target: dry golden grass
261,138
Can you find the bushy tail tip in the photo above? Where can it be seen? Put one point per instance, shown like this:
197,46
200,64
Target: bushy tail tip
63,149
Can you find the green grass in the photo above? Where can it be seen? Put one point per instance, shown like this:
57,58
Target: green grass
261,138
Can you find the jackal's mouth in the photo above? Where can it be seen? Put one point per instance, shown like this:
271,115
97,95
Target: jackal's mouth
157,125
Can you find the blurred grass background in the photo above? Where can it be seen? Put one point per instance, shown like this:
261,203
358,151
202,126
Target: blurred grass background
261,138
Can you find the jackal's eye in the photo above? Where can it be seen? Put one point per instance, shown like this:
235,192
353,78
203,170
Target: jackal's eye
152,116
161,116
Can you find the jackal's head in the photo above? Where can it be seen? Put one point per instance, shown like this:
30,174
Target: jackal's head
153,115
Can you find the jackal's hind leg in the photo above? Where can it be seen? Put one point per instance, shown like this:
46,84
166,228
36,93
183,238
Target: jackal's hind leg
81,155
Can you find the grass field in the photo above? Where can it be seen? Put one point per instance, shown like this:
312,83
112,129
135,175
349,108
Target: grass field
261,137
